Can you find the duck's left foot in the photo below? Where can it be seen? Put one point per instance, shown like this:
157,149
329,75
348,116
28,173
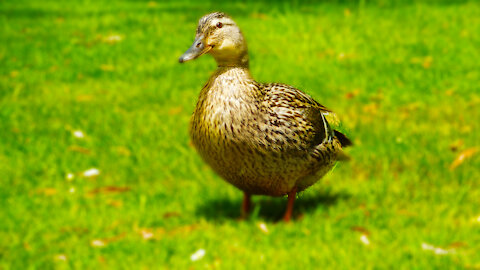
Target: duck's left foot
291,199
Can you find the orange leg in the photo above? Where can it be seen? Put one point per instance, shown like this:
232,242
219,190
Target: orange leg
246,205
291,200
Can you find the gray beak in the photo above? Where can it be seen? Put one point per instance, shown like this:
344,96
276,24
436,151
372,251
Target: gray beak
198,48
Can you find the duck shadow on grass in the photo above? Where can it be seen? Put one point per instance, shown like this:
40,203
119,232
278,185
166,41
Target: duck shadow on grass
268,208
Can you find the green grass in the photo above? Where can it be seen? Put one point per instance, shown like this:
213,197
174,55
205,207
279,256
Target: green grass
404,78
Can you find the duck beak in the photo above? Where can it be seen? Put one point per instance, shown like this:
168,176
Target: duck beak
197,49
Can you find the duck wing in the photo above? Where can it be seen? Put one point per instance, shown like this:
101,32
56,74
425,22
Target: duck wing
296,120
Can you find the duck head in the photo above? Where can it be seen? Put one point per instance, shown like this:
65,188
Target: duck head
218,35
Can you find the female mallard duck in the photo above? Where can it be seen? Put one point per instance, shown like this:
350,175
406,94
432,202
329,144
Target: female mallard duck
266,139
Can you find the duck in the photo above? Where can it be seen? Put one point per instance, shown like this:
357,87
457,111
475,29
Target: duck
263,138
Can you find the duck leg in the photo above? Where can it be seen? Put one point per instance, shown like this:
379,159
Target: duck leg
246,204
291,199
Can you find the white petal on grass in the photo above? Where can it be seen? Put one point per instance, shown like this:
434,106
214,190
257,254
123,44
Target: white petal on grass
147,234
436,250
78,134
364,239
70,176
98,243
71,190
263,227
197,255
61,257
91,172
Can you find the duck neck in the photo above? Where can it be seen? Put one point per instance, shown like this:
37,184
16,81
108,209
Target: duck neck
225,61
233,74
232,82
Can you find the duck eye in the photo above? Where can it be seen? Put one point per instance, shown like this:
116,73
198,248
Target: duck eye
219,25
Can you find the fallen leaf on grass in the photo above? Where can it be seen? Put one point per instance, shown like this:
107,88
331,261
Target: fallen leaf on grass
115,203
352,94
406,213
109,189
457,245
427,62
102,260
47,191
183,229
360,229
468,153
79,149
171,214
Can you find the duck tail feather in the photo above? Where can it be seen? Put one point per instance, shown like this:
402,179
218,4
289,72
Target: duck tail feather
344,141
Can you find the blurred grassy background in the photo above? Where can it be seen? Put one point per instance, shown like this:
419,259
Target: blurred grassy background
96,84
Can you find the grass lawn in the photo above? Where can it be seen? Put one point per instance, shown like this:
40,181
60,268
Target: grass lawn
96,85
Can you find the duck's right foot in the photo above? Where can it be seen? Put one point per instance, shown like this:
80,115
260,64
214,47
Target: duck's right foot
246,205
